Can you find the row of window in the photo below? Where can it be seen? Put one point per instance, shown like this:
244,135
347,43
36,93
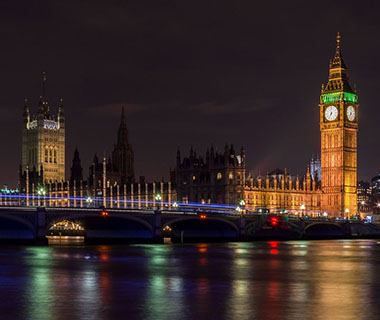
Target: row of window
51,154
276,198
219,176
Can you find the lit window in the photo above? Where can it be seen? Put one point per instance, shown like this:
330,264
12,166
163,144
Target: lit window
194,177
230,176
55,155
46,154
50,155
219,176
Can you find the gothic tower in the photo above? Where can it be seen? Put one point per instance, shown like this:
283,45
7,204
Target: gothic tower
339,127
43,141
122,155
76,168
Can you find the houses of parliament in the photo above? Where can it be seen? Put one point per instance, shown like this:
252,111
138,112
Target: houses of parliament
328,186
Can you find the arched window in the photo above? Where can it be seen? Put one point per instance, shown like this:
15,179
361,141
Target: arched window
230,176
55,155
51,155
46,154
219,176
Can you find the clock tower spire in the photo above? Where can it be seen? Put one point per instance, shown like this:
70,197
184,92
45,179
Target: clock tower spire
339,126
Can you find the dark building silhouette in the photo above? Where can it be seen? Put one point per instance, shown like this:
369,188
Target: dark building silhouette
76,168
216,178
119,167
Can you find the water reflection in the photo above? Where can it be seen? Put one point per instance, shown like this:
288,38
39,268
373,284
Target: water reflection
39,287
302,280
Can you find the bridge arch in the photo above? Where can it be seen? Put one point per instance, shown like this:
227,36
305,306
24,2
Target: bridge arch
194,228
112,226
15,220
196,218
338,225
323,229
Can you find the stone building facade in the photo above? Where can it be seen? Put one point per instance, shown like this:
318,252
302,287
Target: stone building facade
43,144
215,178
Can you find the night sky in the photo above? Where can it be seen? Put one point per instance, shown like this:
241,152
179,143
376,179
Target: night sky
188,73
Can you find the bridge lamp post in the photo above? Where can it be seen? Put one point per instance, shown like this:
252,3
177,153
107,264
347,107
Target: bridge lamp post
175,205
347,211
89,201
242,206
303,207
41,193
158,199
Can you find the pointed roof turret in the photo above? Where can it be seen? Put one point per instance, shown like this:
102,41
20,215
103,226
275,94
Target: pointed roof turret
338,59
43,85
122,136
338,73
26,108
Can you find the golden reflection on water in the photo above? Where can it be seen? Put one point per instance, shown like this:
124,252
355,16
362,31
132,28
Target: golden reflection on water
315,280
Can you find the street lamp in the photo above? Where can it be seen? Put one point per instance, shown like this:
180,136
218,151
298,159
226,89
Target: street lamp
303,207
89,201
158,198
41,193
241,206
347,211
175,204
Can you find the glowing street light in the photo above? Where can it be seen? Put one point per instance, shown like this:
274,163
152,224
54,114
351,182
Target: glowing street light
347,211
325,214
158,197
41,191
89,200
303,207
175,204
242,203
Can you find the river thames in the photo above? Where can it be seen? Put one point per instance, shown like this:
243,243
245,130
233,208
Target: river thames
331,279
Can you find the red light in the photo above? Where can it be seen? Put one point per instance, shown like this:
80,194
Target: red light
202,216
104,213
274,221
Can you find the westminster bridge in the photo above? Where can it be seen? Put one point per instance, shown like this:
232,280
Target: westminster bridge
153,225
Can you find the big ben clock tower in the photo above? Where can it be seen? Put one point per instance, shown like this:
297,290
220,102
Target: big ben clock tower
339,127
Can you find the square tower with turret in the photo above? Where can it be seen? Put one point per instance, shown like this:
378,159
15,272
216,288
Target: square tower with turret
43,143
339,127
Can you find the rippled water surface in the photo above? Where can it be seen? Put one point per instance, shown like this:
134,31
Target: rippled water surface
337,279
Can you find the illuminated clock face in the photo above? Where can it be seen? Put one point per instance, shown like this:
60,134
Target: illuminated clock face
351,113
331,113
